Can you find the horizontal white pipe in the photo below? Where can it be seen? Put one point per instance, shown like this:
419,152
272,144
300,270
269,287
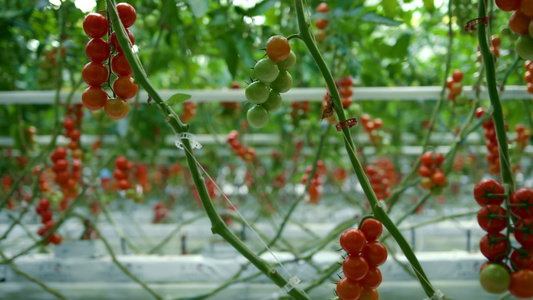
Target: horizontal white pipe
295,94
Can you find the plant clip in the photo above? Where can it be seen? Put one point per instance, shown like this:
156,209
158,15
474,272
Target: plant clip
471,25
346,123
189,136
294,281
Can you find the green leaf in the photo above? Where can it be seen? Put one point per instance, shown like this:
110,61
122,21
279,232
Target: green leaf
354,12
260,8
429,5
372,17
199,7
178,98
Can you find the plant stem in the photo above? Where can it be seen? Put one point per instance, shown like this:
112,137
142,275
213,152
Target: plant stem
379,211
172,119
497,115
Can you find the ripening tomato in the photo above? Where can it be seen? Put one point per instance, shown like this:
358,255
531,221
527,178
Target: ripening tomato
348,289
278,48
120,65
457,76
121,163
124,87
438,178
321,23
519,22
94,98
95,25
322,8
116,108
353,241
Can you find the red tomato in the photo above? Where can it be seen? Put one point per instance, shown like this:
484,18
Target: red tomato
369,294
495,247
348,289
522,284
522,232
485,190
524,197
354,267
95,25
121,163
372,279
97,50
127,14
372,229
94,74
375,254
124,87
353,241
491,218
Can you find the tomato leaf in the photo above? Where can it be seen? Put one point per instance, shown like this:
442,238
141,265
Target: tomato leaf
260,8
372,17
198,7
178,98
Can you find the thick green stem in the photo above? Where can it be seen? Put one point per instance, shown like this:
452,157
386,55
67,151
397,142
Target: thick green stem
377,207
497,115
218,225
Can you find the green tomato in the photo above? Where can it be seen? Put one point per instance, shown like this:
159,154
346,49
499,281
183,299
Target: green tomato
355,109
436,190
266,70
273,103
495,279
288,63
131,193
257,116
461,100
150,21
524,46
257,92
283,82
139,198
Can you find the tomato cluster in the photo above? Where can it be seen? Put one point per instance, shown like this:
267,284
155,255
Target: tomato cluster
96,74
43,209
495,48
528,75
381,175
321,23
522,136
493,157
189,111
521,23
315,188
247,154
455,88
495,276
430,170
360,266
273,78
161,211
231,108
68,181
373,128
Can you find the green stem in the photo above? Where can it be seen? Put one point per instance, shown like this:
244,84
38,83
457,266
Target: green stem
172,119
497,115
377,207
